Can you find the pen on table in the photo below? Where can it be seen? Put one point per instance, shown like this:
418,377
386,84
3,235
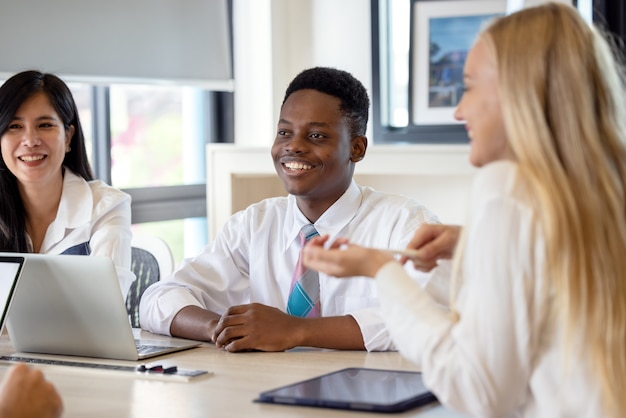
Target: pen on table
157,369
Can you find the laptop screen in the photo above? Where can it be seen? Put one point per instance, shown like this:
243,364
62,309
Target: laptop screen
10,268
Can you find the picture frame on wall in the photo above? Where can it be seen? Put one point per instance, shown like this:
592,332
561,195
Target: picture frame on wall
442,34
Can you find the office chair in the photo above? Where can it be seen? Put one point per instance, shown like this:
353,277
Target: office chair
151,260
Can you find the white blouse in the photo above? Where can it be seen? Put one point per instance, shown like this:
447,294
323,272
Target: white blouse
93,219
500,359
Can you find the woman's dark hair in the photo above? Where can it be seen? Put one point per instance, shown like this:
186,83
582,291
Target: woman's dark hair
13,93
354,101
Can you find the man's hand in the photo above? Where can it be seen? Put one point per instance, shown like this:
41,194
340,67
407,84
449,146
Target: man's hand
257,327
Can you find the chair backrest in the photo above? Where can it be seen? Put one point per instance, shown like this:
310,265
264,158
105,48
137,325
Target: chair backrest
151,260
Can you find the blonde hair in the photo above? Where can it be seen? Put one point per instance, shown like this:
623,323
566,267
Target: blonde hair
563,107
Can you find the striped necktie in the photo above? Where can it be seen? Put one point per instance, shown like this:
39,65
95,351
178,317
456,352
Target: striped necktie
304,297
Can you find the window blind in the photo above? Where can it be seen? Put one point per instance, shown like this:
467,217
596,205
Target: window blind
169,41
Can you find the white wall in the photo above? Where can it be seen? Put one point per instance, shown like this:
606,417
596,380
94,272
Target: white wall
276,39
252,49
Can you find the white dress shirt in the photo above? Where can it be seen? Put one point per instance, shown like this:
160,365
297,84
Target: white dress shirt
502,358
253,258
93,219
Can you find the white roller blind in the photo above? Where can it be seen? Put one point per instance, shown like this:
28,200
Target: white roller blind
173,41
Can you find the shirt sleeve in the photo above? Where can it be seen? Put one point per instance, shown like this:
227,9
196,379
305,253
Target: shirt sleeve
438,284
480,364
214,280
111,237
371,319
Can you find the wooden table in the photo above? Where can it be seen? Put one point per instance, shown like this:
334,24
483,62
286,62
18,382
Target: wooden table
228,391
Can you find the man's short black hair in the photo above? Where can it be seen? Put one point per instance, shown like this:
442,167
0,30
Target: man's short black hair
354,101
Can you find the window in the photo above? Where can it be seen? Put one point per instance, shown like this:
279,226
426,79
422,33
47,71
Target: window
391,106
391,67
157,154
149,140
83,96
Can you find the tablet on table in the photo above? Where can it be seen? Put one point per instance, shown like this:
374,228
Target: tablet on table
356,388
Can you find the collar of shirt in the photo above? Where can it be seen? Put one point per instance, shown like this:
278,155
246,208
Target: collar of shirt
331,222
75,208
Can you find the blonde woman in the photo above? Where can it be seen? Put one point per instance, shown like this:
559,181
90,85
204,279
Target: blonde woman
537,320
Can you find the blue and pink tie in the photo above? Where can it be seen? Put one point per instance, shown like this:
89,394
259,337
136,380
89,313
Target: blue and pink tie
304,297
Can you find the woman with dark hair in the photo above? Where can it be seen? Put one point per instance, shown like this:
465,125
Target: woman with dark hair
50,201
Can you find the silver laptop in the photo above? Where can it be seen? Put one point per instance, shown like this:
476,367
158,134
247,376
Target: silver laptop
73,305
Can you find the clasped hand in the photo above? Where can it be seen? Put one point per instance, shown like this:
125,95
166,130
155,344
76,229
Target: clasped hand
253,327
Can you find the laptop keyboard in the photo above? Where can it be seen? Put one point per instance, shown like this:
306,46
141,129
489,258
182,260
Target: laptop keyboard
143,349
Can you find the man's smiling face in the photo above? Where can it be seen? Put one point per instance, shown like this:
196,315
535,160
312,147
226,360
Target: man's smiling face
313,148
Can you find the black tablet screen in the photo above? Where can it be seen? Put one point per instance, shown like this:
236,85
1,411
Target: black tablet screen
356,388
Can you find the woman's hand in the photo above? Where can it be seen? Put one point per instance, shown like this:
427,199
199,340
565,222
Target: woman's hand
342,259
433,242
26,393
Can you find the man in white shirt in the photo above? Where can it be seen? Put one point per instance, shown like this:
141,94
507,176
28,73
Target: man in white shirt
235,291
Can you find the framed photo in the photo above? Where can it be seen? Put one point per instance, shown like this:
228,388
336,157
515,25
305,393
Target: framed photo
442,34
